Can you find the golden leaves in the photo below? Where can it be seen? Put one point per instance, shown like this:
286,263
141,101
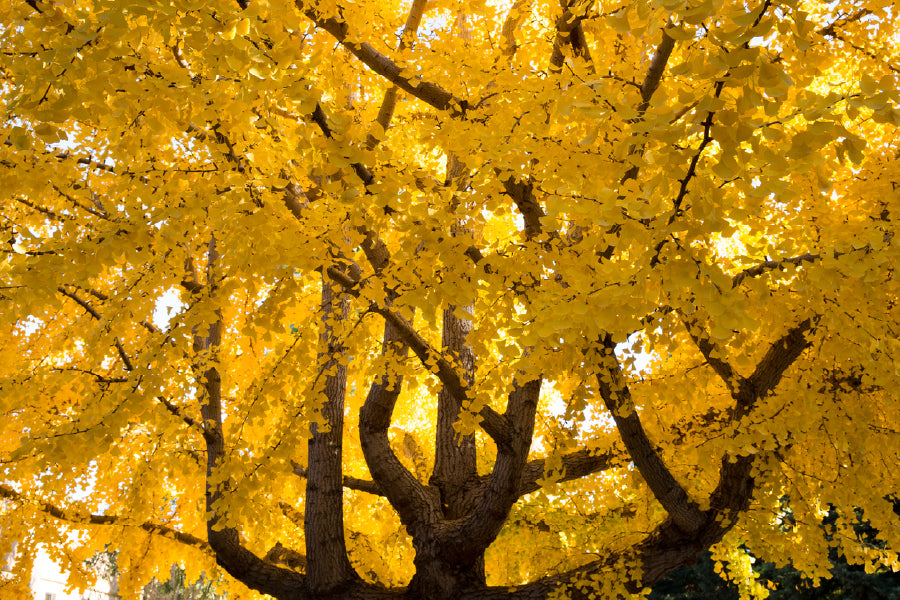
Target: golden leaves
143,131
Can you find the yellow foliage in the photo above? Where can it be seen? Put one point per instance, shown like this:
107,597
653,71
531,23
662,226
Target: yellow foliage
286,287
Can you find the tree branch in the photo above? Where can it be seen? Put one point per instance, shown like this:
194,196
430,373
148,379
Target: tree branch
178,412
649,86
81,302
351,483
326,550
780,356
239,562
575,465
416,508
427,355
710,352
569,31
522,194
476,532
90,519
510,24
772,265
617,397
428,92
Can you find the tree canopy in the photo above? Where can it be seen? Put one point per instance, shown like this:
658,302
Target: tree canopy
442,299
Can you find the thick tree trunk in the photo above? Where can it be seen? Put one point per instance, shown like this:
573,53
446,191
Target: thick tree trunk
455,472
454,464
327,562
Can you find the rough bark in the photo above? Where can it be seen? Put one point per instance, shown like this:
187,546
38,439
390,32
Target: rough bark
327,563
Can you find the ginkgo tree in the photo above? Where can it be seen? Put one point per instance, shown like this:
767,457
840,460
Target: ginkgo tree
442,299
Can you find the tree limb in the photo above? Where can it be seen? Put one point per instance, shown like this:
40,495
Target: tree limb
430,93
416,508
351,483
710,352
781,355
326,550
91,519
617,397
81,302
242,564
569,31
772,265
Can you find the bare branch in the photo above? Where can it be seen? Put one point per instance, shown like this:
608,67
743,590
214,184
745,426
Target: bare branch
81,302
351,483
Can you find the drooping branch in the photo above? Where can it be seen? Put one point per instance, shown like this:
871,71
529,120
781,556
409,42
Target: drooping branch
175,410
75,517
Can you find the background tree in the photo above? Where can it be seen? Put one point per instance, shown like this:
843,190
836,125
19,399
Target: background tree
353,299
847,581
177,587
